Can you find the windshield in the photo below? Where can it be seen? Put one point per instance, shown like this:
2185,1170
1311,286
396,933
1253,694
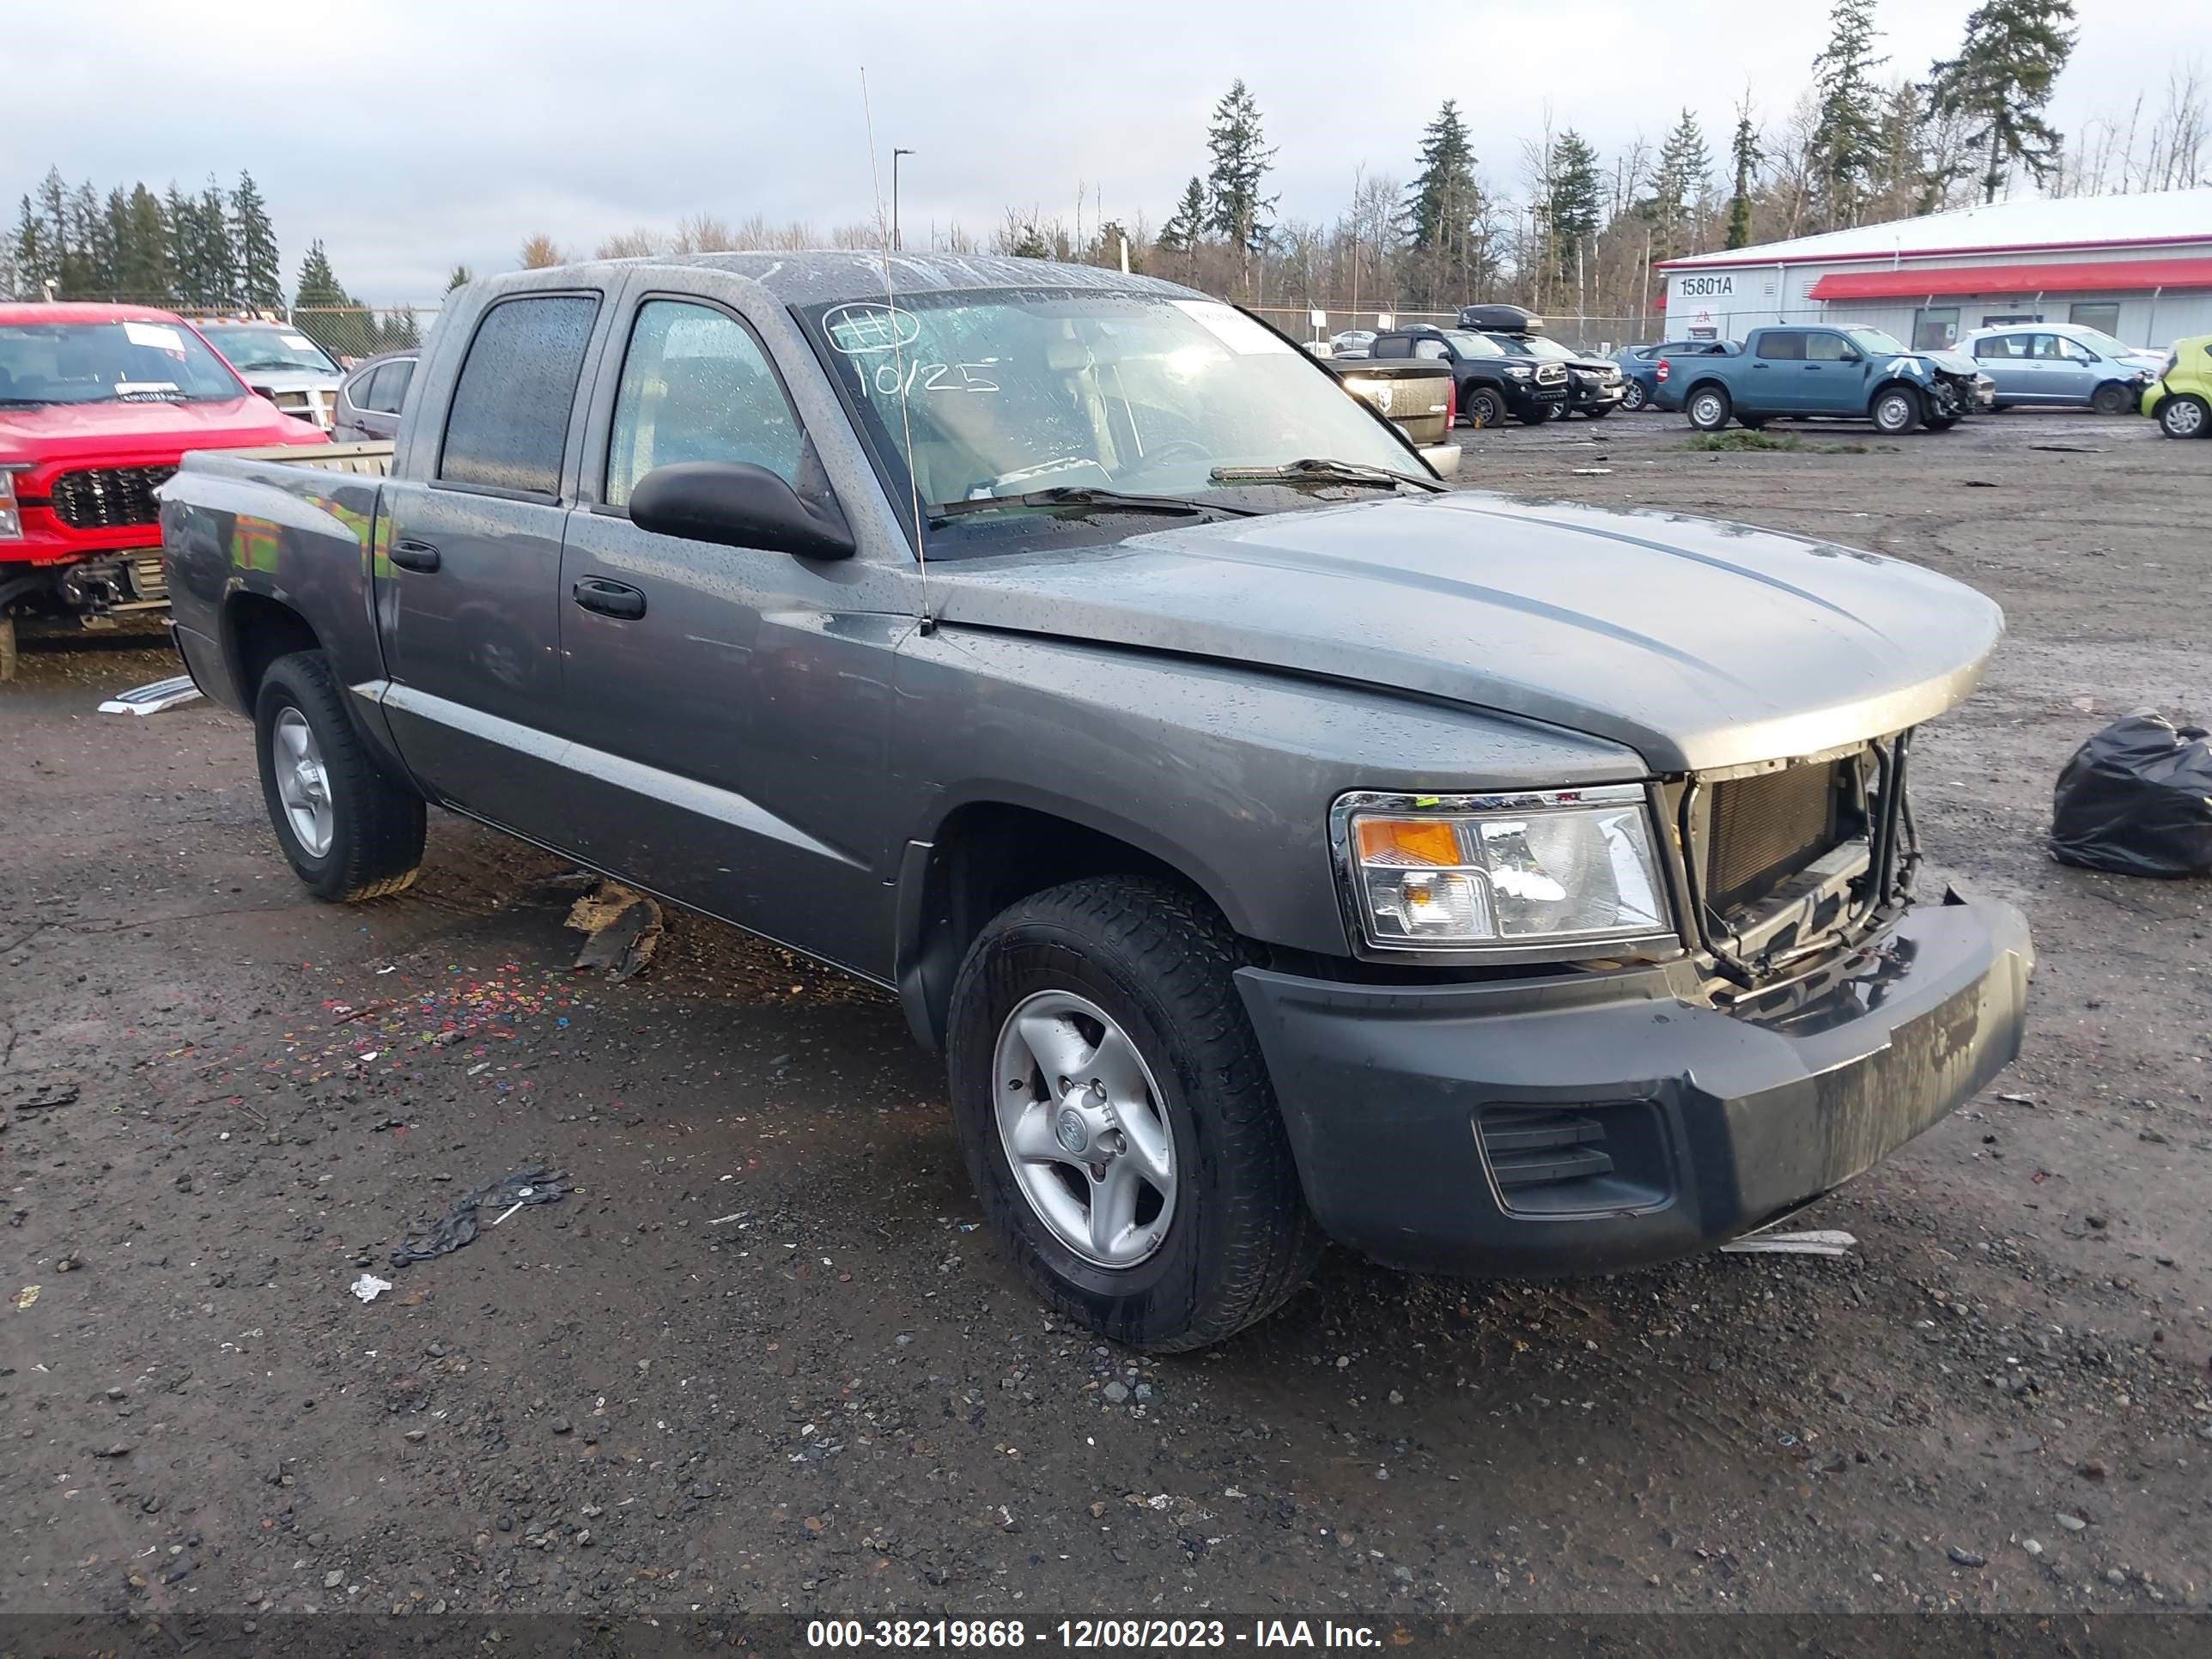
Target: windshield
248,347
1874,342
2098,340
1012,390
1472,345
1537,346
109,362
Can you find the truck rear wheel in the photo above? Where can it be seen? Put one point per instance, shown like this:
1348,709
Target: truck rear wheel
1896,410
1708,408
1116,1115
349,830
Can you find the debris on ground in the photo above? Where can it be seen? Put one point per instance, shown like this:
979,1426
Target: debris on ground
534,1183
40,1094
1818,1242
26,1297
154,698
624,929
2136,799
369,1287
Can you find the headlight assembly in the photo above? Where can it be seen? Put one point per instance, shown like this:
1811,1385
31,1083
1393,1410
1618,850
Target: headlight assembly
1527,874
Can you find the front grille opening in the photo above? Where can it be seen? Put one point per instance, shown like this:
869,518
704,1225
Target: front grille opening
1763,830
1588,1160
104,498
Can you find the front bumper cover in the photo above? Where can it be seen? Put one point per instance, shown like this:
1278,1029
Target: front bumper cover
1712,1123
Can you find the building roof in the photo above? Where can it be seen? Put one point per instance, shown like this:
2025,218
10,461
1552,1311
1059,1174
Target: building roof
1914,282
2030,223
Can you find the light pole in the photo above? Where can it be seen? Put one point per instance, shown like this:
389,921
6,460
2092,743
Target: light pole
896,154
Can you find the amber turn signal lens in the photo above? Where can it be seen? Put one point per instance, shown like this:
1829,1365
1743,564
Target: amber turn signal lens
1408,841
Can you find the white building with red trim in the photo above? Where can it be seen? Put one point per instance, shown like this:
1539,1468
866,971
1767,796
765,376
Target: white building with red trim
2139,267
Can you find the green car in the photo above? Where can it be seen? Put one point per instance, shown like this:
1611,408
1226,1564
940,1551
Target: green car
2180,399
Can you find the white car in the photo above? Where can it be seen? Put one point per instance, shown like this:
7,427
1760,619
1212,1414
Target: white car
1352,343
280,363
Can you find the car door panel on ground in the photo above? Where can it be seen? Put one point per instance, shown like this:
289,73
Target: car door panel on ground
468,563
731,724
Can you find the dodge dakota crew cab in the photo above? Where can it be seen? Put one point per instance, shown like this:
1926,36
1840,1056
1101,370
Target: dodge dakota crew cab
1806,372
1277,842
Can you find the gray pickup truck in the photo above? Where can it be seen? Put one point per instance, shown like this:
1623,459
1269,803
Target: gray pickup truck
1278,843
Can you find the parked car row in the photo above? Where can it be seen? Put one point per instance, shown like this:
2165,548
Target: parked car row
1503,366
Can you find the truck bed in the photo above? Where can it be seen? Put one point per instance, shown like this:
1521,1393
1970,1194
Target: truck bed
372,459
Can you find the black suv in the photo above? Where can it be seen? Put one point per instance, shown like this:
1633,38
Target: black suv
1492,382
1596,385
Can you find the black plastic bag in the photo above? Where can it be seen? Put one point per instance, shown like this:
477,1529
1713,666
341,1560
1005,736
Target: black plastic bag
2136,799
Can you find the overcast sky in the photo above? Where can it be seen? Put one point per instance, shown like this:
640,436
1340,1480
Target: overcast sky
411,137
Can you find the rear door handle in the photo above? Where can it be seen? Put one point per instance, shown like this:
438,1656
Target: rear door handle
607,599
415,556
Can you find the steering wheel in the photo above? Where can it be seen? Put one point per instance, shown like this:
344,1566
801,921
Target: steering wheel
1173,449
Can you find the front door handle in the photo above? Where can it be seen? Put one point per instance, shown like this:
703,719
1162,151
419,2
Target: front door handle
607,599
415,556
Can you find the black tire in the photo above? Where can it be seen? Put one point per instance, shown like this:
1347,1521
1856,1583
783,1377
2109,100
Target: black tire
1535,416
2112,398
376,829
1159,959
1753,422
1600,412
9,660
2184,417
1708,408
1942,422
1634,397
1486,406
1896,410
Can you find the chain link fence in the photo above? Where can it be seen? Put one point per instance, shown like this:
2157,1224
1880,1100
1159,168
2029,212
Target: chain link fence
350,333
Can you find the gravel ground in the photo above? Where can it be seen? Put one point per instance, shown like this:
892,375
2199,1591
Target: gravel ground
762,1358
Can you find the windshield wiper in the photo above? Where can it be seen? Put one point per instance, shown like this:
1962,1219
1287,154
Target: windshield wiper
1085,496
281,362
1320,472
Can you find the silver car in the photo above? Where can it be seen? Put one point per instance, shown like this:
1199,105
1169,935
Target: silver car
371,397
279,362
2062,365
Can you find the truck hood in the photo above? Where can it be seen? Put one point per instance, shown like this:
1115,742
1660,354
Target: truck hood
1699,644
1951,363
54,435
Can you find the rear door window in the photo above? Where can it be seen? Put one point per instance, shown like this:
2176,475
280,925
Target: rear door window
509,419
1782,345
1399,347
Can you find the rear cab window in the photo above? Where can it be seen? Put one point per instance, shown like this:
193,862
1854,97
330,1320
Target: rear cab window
508,425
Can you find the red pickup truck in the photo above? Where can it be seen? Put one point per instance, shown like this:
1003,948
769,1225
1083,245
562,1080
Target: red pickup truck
97,403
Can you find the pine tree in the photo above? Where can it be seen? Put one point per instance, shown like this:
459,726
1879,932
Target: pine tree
219,250
319,283
89,263
1241,159
1683,175
1186,225
1574,201
33,254
1845,143
260,278
186,260
1744,151
2001,82
461,277
1443,201
143,270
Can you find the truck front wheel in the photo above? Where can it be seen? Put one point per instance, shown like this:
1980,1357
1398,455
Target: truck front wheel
1117,1118
1897,411
1485,407
1708,408
349,830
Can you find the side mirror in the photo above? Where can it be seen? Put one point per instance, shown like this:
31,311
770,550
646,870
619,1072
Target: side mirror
1850,357
736,504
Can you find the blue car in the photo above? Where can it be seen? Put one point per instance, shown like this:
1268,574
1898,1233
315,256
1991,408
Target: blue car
2063,366
1640,366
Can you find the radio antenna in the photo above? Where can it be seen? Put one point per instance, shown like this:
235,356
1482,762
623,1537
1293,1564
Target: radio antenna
899,359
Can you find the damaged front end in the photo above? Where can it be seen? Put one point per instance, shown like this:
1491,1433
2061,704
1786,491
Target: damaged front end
1953,395
1788,867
